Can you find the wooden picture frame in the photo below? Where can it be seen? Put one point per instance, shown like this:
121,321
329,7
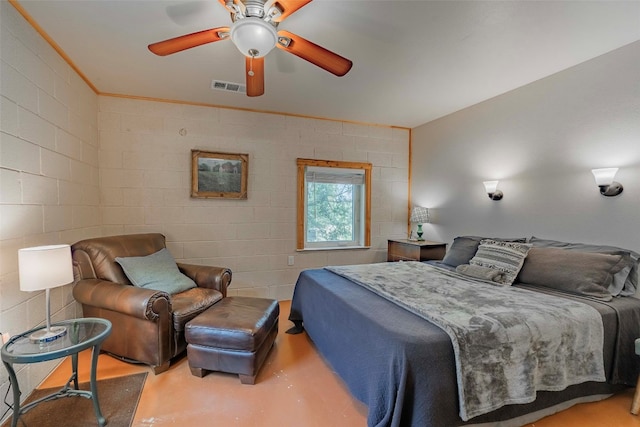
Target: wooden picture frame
219,175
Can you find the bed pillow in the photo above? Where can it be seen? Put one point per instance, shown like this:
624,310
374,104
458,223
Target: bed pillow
463,248
582,273
157,271
624,283
506,257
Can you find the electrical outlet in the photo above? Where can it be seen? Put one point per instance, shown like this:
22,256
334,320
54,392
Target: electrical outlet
290,260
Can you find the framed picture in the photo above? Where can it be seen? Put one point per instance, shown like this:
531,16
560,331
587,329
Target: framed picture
219,175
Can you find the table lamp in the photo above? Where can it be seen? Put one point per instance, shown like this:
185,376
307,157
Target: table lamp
45,267
421,216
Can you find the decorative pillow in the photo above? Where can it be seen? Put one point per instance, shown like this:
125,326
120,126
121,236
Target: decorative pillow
506,257
157,271
463,248
583,273
624,283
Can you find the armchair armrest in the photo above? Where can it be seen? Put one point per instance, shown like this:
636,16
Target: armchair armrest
207,276
142,303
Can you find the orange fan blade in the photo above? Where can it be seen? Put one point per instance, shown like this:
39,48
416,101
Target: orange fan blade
188,41
255,76
315,54
288,7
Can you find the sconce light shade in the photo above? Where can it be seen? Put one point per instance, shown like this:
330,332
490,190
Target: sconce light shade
491,188
604,179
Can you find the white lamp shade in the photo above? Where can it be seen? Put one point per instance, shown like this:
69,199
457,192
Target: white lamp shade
253,37
44,267
420,215
491,186
604,176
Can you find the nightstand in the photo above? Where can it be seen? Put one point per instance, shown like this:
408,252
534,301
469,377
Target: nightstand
409,250
635,405
82,333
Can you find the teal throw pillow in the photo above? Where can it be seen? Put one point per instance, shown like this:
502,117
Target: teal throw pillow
157,271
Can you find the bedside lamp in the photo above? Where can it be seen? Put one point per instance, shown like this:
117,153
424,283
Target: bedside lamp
419,215
45,267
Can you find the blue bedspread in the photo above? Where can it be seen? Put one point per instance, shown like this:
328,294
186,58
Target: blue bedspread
508,342
402,367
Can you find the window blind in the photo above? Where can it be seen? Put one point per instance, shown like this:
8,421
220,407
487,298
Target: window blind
334,175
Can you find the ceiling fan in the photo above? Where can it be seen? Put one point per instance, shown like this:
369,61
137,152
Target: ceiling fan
255,33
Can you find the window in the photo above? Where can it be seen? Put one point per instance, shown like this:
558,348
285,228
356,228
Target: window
334,204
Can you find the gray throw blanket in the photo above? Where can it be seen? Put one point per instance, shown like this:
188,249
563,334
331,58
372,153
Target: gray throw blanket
480,272
508,342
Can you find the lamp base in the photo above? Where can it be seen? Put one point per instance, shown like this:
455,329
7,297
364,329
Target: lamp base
419,233
48,335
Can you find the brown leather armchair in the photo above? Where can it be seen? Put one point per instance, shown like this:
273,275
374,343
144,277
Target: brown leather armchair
148,325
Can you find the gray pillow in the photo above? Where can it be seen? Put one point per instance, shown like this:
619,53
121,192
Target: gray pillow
463,248
624,283
582,273
157,271
506,257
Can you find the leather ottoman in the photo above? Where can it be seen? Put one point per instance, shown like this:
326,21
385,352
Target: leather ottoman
233,335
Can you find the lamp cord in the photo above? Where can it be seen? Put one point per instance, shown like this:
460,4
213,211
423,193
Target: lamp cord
7,404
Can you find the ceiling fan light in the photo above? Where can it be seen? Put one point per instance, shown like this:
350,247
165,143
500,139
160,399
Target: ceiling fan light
254,37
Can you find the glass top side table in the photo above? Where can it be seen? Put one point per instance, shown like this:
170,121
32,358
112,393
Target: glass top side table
81,334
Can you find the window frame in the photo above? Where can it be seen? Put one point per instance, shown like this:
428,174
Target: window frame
301,240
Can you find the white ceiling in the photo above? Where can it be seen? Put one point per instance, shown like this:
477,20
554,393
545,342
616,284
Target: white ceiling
414,61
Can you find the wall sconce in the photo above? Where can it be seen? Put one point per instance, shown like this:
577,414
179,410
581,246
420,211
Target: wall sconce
421,216
492,190
604,180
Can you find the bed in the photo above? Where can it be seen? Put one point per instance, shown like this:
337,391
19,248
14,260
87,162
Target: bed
404,367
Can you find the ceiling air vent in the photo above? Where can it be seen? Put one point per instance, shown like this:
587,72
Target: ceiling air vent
228,86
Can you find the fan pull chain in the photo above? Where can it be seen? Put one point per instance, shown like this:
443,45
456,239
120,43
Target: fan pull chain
250,72
252,54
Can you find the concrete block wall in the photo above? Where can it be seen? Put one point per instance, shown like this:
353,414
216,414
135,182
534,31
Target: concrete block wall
75,165
48,174
145,179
